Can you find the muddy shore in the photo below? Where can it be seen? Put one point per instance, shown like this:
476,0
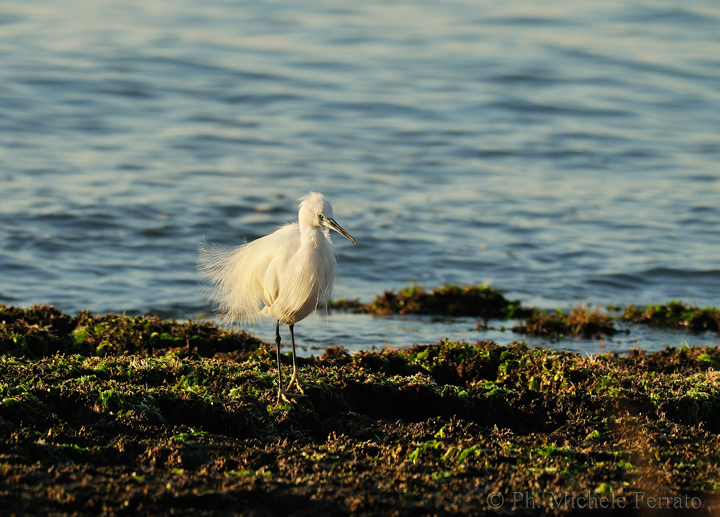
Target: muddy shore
134,415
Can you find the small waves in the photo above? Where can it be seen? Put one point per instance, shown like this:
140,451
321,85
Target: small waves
661,284
561,154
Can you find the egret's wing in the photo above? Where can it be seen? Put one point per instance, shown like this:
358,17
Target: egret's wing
237,275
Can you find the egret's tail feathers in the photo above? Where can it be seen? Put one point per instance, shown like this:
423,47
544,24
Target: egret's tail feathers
236,288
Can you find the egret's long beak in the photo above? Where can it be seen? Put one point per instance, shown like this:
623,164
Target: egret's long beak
330,223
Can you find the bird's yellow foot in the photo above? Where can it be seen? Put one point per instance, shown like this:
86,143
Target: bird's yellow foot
284,398
287,398
296,381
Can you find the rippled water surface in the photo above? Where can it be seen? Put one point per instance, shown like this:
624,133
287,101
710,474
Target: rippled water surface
561,151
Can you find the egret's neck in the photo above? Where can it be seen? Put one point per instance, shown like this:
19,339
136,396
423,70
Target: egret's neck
315,236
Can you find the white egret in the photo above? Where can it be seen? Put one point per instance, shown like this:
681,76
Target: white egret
285,275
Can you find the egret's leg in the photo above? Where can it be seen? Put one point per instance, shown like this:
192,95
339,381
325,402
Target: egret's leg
294,379
282,396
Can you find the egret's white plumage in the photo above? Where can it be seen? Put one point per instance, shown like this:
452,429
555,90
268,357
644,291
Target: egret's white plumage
285,275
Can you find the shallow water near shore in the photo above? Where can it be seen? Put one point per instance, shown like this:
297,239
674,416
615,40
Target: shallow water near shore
561,153
363,331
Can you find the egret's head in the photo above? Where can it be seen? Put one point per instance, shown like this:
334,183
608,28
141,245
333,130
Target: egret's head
315,210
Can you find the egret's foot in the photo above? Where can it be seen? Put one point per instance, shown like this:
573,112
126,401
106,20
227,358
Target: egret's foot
284,398
296,381
287,398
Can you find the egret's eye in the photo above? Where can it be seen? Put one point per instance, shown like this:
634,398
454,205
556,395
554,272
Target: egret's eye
321,216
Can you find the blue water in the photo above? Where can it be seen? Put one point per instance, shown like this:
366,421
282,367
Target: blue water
561,151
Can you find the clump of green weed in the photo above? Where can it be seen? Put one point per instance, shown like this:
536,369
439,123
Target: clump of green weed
42,330
452,300
579,322
675,314
35,331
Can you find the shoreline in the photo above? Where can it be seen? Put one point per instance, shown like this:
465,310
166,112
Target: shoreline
78,333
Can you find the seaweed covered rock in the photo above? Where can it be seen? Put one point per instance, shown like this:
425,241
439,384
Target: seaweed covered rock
434,429
43,330
579,322
478,300
484,302
36,331
675,314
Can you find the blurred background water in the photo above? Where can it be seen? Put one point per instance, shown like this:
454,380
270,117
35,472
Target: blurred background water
560,151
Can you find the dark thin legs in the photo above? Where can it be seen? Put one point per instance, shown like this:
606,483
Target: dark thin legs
294,379
292,339
281,393
284,396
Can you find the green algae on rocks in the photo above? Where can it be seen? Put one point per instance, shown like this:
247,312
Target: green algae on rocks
675,314
438,429
478,300
579,322
487,303
43,330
